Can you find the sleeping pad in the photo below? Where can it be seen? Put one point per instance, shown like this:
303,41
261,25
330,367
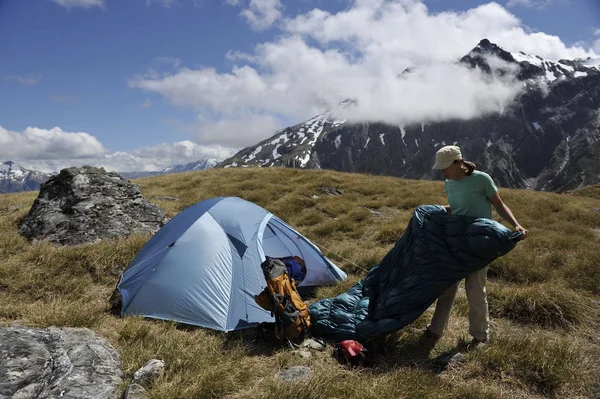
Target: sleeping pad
436,251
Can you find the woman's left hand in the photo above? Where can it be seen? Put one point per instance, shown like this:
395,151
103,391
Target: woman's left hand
522,230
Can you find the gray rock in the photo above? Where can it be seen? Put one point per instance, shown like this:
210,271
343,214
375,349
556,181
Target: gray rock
312,344
135,391
330,191
149,372
451,359
83,205
295,374
51,363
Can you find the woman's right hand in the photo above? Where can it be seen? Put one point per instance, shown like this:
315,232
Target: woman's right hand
522,230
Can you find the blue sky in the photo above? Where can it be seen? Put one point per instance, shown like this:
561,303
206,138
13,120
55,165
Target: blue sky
141,84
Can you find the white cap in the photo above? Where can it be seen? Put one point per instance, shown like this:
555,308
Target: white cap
446,156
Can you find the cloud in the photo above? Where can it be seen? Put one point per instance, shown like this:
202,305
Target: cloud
531,3
30,80
64,98
49,150
146,104
262,14
238,131
36,143
80,3
322,58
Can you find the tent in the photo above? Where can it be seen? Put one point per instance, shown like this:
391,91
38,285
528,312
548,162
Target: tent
203,267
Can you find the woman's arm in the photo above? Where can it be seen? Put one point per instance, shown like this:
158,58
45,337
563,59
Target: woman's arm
506,214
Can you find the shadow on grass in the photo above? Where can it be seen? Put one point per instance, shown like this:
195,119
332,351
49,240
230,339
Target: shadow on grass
257,341
385,354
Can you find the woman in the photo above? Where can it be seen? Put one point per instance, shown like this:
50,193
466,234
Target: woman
471,193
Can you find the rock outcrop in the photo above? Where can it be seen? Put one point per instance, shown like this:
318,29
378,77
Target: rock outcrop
83,205
57,363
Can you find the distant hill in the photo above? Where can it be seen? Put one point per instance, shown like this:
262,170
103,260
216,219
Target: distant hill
15,178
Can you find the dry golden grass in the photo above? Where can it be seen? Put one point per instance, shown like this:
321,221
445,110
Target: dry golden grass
543,295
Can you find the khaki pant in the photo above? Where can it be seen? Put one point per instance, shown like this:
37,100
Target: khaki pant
479,319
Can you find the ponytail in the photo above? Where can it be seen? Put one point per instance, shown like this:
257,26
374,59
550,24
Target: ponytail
470,166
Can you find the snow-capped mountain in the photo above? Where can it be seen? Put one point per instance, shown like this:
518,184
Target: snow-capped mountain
548,139
201,164
198,165
15,178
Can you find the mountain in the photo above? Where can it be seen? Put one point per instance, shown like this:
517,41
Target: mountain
198,165
15,178
188,167
547,139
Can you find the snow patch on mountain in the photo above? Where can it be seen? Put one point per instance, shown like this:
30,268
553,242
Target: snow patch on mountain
14,178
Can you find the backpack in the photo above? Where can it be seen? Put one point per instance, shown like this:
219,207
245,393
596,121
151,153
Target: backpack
280,296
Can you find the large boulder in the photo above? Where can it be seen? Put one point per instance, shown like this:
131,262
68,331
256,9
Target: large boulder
57,363
82,205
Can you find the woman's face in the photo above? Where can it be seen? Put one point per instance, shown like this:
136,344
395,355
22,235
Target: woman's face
454,171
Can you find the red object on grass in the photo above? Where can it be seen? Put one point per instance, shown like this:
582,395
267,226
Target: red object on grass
351,348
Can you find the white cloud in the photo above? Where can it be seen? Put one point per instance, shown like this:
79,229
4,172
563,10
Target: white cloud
322,58
28,80
531,3
262,14
35,143
597,32
53,149
236,131
80,3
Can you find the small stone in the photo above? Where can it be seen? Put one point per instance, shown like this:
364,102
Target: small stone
146,375
451,359
457,358
312,344
135,391
374,212
330,191
295,374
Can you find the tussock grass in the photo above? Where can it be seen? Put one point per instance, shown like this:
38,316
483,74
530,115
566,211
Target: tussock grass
544,305
549,365
543,295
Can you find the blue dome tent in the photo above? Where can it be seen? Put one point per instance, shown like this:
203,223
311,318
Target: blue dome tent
203,267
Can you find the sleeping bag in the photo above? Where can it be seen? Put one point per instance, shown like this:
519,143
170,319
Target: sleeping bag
436,251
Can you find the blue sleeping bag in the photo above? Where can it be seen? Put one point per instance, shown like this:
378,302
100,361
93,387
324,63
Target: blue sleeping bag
436,251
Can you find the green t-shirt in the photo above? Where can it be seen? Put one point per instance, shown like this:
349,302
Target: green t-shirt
470,195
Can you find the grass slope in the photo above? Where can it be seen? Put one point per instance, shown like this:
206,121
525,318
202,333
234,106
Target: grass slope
544,295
